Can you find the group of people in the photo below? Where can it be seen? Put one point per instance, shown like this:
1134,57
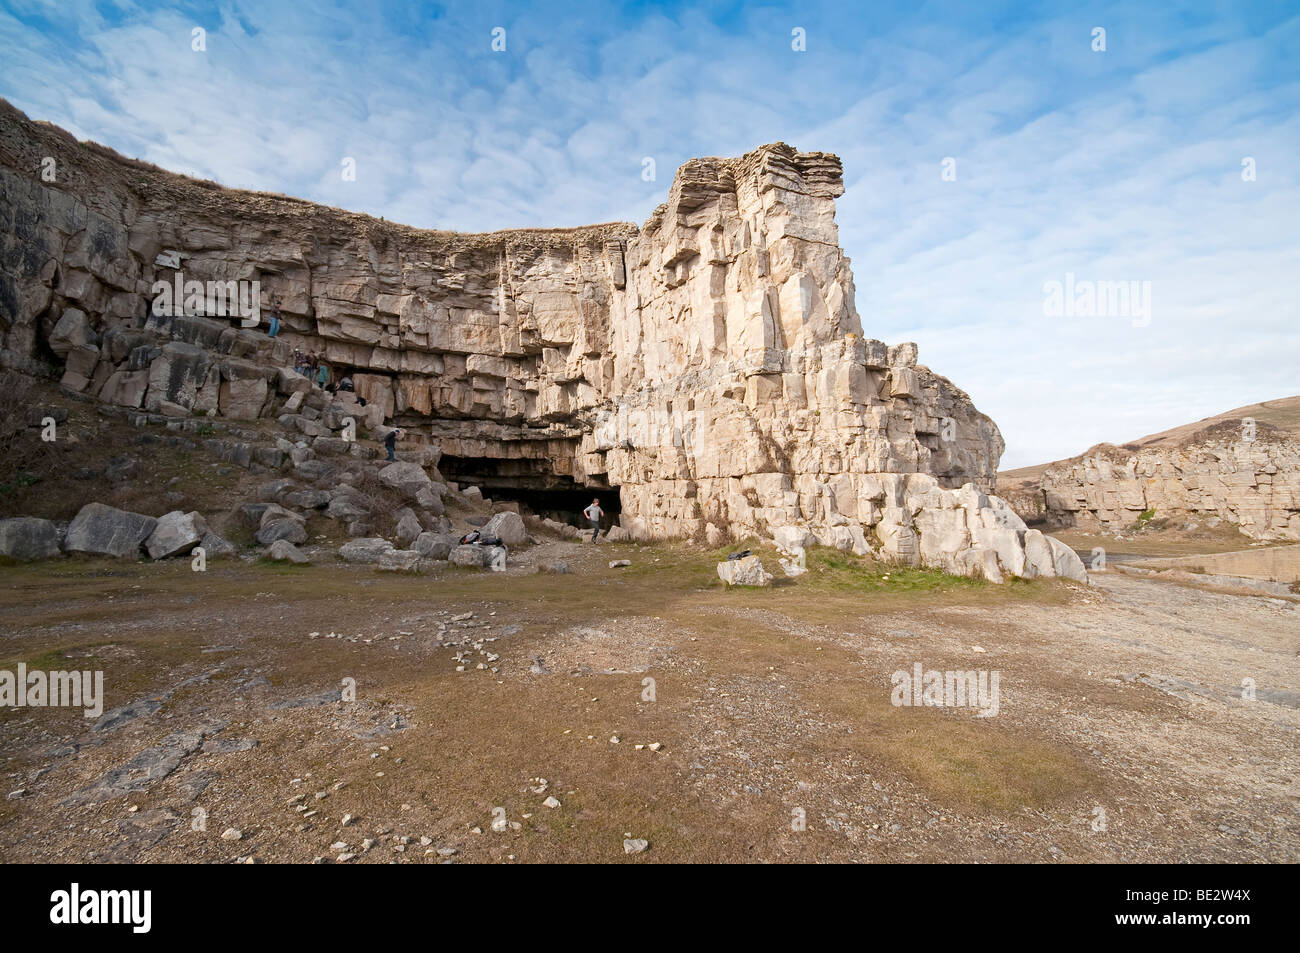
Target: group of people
312,366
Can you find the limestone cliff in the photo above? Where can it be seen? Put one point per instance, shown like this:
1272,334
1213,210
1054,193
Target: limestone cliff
1242,467
710,365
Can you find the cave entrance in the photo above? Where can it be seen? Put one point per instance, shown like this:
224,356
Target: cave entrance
532,485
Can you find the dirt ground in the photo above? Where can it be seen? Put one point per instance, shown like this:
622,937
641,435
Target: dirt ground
651,703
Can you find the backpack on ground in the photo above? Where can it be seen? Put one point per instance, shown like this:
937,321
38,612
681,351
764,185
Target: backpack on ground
470,538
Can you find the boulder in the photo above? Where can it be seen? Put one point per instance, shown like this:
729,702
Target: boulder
243,399
368,550
791,538
744,572
1038,556
508,527
408,528
275,490
284,551
253,513
430,498
467,555
308,499
315,470
434,545
215,547
291,530
331,445
347,506
274,512
407,478
399,560
175,534
1066,561
72,330
26,537
105,531
482,557
794,561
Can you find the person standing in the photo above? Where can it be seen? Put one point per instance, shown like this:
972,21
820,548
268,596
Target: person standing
593,514
390,443
274,319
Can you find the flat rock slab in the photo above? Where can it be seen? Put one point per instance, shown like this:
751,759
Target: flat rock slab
306,701
146,768
101,530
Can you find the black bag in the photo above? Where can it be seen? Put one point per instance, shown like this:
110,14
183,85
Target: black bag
471,537
740,555
490,541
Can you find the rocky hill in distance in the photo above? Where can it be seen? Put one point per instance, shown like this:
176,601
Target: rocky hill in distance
1241,468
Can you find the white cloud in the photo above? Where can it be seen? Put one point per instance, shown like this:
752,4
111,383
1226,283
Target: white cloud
1122,165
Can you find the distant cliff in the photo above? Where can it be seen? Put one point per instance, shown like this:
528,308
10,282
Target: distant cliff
1242,467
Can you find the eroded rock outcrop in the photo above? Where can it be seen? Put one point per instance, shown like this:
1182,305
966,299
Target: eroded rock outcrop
711,365
1248,476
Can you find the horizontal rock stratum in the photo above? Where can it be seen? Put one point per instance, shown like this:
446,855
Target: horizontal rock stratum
1242,467
710,365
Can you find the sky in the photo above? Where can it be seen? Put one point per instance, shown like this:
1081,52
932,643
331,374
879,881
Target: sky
990,150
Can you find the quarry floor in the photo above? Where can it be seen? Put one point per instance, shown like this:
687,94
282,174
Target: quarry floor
1121,734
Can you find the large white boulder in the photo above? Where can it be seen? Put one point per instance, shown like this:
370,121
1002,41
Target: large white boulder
508,527
744,572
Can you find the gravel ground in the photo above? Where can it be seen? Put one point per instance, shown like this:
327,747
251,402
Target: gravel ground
1136,720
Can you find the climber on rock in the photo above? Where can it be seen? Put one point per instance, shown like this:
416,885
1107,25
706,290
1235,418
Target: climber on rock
390,443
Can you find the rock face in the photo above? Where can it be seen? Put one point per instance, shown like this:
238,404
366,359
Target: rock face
104,531
710,366
1215,473
26,538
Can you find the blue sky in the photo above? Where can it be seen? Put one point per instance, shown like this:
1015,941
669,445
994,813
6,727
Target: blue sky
1122,165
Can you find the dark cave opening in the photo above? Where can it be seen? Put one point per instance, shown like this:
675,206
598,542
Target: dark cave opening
532,485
